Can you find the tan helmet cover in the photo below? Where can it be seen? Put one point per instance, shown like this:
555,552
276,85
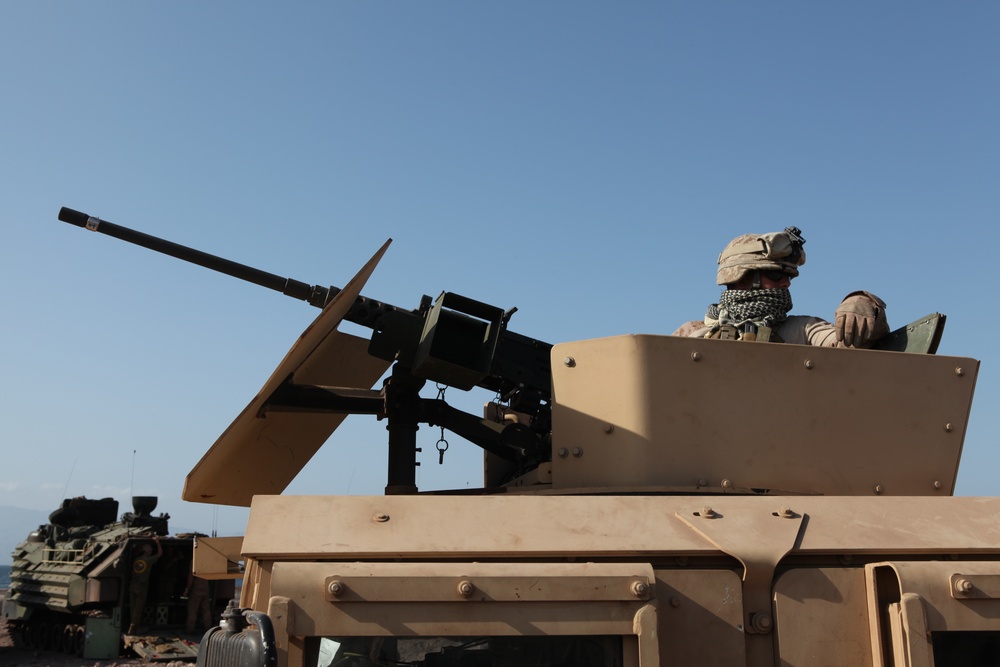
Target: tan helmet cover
759,252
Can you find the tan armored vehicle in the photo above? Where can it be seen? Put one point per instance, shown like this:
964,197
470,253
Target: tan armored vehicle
632,512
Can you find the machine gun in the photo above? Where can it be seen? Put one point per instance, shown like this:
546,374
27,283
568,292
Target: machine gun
453,340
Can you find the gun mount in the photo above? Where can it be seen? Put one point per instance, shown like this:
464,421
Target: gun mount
452,340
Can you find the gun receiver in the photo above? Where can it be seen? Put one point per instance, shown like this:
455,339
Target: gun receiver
455,341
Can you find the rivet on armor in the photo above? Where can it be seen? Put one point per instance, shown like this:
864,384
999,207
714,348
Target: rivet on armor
675,601
706,513
761,622
726,484
608,428
947,427
696,356
577,452
380,517
808,364
785,513
337,588
878,488
937,485
465,588
570,362
563,452
959,371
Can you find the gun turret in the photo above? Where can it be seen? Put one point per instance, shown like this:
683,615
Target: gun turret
452,340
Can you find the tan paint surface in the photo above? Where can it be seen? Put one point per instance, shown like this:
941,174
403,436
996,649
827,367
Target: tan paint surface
663,411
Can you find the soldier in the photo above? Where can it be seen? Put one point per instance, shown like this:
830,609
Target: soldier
199,603
142,566
757,270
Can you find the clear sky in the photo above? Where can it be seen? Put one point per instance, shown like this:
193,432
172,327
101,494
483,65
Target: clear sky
582,161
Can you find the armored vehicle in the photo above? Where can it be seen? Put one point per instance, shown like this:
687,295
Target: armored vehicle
646,500
70,581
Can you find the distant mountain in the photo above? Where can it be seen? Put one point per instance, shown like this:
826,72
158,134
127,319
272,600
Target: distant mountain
15,524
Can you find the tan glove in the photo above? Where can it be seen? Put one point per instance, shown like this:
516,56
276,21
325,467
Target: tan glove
861,320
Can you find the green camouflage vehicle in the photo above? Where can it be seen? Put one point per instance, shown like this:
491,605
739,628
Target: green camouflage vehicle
70,581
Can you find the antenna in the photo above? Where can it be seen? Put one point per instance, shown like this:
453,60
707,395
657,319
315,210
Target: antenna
131,491
66,488
131,484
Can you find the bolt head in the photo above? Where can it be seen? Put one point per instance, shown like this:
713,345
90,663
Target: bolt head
337,588
761,622
465,588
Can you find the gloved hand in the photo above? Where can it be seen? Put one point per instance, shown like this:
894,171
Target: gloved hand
861,320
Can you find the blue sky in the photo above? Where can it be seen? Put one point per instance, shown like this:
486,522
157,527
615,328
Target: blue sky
582,161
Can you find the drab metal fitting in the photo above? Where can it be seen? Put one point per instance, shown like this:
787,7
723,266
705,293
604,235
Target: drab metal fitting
609,428
761,622
563,452
639,588
959,371
380,517
878,488
808,364
337,588
947,427
707,513
785,513
577,452
726,484
569,362
937,485
696,356
465,588
963,586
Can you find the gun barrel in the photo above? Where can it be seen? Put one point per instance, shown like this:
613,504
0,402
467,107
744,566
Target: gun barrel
520,364
314,294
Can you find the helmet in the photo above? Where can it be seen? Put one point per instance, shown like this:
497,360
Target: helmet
762,252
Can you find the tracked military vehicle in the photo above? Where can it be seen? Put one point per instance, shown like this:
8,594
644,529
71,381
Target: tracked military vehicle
70,581
630,515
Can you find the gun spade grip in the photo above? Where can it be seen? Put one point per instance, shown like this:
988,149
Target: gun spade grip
73,217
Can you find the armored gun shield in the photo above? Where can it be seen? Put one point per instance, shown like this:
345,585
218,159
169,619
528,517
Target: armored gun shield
261,453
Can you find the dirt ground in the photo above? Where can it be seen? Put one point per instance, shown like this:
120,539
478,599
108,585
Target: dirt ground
12,656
